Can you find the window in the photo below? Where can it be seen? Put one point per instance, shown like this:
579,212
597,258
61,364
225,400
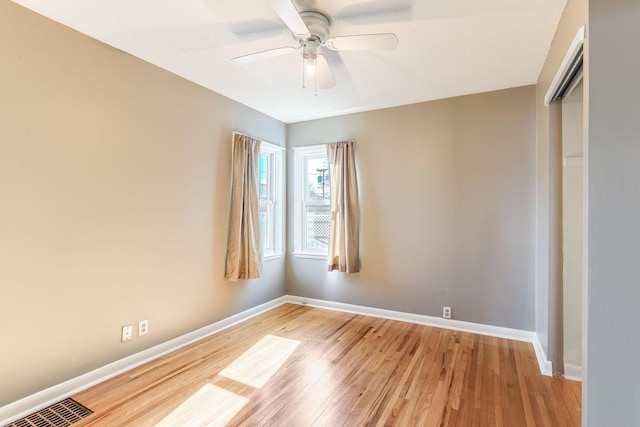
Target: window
312,220
270,199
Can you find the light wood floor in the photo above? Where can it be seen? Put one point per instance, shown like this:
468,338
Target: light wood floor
303,366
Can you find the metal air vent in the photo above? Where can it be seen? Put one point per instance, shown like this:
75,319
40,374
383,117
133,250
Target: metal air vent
59,414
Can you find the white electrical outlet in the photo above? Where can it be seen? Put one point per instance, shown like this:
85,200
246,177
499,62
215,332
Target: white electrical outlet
127,333
143,327
446,312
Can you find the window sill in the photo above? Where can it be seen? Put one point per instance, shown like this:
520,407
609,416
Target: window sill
310,256
272,257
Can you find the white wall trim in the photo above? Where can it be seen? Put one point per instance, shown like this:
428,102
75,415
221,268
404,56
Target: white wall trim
546,367
56,393
572,372
44,398
456,325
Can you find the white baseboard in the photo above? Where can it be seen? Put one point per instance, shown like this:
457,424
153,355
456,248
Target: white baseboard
44,398
54,394
546,367
456,325
572,372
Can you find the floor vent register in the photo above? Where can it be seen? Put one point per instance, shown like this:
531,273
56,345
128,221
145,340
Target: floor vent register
59,414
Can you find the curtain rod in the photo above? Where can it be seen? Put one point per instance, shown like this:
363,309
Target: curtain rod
300,147
235,132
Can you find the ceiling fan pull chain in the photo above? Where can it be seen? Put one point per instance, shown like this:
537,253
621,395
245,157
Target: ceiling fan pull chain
315,77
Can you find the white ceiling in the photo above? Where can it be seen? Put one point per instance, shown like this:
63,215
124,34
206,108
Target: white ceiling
447,47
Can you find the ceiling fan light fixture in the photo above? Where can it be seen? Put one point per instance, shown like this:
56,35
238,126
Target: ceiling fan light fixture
309,62
309,55
310,65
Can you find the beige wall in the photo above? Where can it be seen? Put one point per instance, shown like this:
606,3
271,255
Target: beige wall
447,194
114,184
548,189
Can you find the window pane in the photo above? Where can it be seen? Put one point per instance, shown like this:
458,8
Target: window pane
264,177
318,223
269,194
264,220
266,226
317,179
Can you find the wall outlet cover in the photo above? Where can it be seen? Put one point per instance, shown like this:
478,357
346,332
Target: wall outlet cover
127,333
143,327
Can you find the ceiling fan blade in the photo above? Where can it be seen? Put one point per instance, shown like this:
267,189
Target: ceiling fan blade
324,76
287,11
257,56
384,41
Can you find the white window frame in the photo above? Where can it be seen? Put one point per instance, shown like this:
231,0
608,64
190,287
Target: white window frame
301,156
274,248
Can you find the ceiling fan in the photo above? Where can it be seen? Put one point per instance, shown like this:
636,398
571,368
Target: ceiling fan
310,29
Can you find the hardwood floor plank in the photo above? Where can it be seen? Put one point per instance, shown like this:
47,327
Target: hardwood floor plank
303,366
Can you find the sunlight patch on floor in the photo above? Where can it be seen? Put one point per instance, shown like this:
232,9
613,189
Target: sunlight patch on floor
209,406
261,361
213,405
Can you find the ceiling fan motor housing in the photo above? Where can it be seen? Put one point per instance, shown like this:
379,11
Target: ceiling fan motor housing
318,25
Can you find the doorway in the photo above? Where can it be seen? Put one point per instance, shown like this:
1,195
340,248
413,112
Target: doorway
572,230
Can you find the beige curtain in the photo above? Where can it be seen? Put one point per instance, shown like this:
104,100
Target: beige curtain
345,211
244,246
